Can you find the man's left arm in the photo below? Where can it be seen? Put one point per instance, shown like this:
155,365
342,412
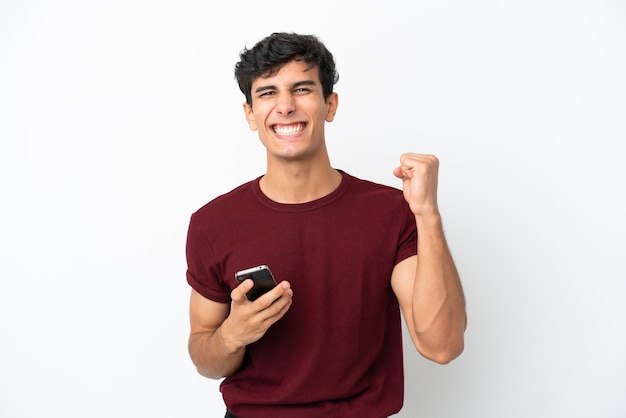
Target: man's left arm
427,285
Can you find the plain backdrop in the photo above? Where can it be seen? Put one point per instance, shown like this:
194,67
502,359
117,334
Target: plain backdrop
118,119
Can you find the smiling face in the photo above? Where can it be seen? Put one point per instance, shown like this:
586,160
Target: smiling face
289,111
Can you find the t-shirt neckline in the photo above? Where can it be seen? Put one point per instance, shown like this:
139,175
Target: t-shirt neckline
306,206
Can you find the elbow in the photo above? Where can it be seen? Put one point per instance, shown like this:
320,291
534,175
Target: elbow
445,355
205,366
446,349
442,350
210,374
210,370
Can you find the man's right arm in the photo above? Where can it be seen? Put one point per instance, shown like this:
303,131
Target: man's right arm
211,354
220,332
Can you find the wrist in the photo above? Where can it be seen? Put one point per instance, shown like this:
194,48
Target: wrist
229,344
428,217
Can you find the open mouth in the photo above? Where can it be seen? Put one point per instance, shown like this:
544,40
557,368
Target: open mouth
289,130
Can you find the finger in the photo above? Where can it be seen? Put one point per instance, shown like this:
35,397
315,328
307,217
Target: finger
238,295
287,286
408,162
283,288
403,172
411,158
419,165
275,301
277,309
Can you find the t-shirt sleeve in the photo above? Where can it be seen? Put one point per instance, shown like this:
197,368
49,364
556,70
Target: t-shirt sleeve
203,273
407,240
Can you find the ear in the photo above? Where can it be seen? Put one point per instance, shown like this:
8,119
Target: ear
331,106
247,110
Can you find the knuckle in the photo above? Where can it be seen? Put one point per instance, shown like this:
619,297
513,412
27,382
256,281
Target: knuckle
275,309
264,302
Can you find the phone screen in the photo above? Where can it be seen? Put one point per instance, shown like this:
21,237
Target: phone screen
263,280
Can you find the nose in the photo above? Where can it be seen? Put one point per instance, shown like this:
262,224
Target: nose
285,105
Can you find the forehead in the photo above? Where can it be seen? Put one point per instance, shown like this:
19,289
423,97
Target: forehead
289,73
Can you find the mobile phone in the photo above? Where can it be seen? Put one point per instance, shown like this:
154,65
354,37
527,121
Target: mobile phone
263,280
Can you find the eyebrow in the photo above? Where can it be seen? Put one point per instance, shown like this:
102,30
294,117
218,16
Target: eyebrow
293,86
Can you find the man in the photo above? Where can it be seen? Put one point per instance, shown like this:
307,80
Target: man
326,341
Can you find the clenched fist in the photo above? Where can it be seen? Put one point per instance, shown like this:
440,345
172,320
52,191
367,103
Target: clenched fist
419,174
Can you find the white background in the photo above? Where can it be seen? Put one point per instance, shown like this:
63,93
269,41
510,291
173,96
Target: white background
118,119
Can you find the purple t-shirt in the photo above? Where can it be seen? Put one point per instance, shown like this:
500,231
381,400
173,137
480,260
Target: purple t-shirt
338,350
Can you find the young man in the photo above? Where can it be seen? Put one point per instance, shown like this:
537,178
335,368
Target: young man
326,341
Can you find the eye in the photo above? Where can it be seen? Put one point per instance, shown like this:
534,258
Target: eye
267,94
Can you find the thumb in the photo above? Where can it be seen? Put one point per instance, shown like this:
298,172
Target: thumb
398,172
403,173
238,295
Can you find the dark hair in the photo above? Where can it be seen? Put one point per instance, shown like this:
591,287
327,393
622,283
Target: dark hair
271,53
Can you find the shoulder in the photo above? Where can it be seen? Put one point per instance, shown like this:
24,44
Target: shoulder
363,187
225,206
234,197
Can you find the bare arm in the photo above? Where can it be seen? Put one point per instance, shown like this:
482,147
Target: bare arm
428,286
220,332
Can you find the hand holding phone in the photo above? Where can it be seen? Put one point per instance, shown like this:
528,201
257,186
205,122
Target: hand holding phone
261,276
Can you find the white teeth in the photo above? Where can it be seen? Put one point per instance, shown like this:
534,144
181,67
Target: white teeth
289,130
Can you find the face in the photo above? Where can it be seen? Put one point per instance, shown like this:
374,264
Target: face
288,111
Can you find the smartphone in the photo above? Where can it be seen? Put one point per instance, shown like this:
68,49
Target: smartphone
263,280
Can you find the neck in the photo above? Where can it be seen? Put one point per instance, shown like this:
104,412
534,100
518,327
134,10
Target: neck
298,183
